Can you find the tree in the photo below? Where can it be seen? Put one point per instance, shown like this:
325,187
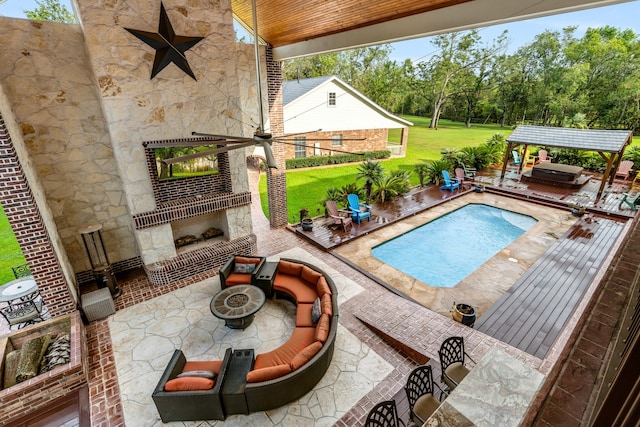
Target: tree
51,10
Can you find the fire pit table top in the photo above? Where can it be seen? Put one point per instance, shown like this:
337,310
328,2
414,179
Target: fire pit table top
237,302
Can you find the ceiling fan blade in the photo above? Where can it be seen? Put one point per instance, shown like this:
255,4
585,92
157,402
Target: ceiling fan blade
222,137
320,139
319,148
208,152
268,154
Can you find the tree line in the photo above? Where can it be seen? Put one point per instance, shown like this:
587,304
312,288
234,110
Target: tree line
558,79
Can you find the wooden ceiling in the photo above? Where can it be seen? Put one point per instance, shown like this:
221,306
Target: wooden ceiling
306,27
283,22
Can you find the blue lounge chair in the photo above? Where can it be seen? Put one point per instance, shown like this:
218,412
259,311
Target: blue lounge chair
359,211
449,184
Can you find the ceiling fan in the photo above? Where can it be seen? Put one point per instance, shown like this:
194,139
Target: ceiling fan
260,137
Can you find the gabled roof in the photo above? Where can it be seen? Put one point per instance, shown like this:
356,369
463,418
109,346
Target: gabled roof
611,141
293,90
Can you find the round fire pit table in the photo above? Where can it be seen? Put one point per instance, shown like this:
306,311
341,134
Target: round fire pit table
237,305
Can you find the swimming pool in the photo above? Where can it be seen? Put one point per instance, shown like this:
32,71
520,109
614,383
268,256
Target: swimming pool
444,251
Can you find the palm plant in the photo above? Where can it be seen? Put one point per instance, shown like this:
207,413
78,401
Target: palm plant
370,171
386,187
435,171
451,155
404,177
422,170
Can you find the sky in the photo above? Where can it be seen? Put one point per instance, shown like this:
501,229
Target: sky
623,16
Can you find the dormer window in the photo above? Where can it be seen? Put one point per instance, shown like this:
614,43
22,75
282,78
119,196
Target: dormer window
331,102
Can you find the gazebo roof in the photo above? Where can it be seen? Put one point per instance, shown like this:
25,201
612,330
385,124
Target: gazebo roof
611,141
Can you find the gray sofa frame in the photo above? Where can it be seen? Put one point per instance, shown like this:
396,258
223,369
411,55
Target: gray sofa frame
189,405
277,392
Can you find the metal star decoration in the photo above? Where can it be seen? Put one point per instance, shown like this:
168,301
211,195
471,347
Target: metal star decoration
169,47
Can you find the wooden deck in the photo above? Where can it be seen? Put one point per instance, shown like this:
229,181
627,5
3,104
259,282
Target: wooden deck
533,312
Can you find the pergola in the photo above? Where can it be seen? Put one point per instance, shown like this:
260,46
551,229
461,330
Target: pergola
609,144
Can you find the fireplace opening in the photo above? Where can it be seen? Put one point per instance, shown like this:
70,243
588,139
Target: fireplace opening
194,233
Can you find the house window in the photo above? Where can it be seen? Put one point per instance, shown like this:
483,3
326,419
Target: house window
336,140
300,148
332,99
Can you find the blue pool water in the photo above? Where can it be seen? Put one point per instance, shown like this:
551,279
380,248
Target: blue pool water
444,251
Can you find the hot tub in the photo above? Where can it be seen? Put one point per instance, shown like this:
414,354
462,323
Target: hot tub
556,172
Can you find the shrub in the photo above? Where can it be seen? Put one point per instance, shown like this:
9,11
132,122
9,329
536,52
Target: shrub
307,162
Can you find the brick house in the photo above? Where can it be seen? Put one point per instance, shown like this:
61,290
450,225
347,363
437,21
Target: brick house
342,113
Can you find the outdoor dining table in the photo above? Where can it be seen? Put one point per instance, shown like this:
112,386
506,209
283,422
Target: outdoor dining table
18,289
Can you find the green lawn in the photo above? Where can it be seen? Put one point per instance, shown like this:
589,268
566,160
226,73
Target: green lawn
305,188
10,252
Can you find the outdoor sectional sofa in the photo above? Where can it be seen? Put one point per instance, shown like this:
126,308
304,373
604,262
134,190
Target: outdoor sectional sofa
274,378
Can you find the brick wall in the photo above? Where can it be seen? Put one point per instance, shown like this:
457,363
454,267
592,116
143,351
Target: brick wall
172,189
26,398
367,140
276,178
28,226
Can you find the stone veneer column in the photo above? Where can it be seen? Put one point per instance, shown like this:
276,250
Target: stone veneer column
28,226
276,178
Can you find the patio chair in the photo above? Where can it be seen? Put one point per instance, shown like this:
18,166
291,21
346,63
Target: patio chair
22,312
334,214
241,270
452,357
384,414
359,211
516,158
543,156
624,169
632,203
469,172
462,179
449,184
420,394
21,270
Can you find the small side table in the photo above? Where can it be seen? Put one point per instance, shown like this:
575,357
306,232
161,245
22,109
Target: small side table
232,392
265,277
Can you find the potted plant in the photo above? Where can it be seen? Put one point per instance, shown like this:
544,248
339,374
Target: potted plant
464,313
305,222
578,207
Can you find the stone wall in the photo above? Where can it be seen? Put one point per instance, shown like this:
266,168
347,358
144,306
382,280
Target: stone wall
44,69
172,104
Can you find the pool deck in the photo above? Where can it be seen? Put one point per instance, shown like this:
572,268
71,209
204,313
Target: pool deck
530,312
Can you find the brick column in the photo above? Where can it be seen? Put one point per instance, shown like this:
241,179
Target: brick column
276,178
29,228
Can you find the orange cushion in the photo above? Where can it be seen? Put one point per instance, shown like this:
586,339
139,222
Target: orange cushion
295,287
246,260
323,287
310,275
303,315
322,329
305,355
291,268
238,279
189,384
203,365
325,304
284,354
269,373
